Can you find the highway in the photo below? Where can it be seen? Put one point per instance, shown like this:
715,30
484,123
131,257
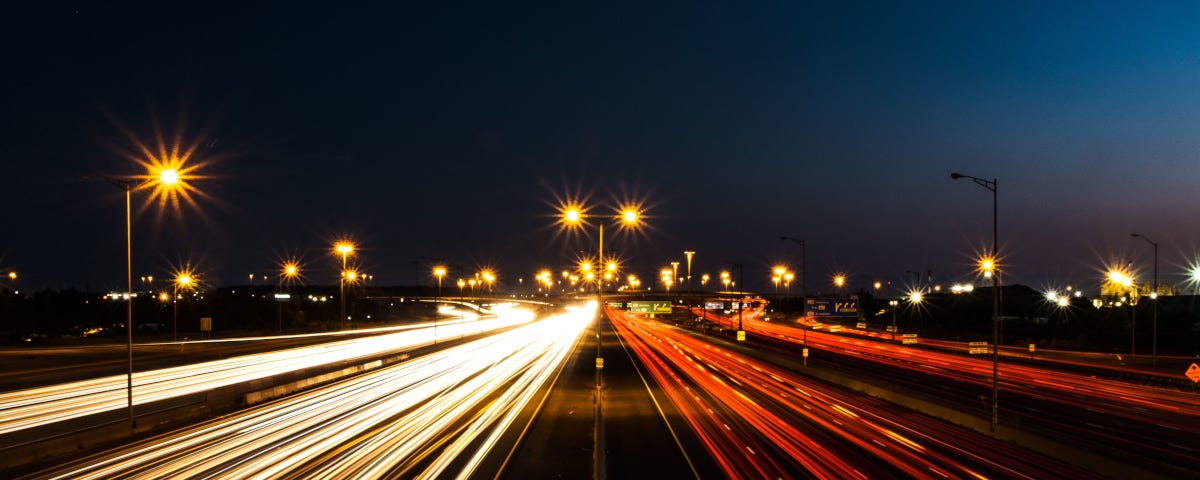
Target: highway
27,408
1150,426
435,416
763,421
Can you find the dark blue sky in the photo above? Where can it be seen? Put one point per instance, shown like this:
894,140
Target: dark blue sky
445,131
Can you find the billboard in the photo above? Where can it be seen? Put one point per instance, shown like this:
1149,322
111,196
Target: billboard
714,305
650,307
831,307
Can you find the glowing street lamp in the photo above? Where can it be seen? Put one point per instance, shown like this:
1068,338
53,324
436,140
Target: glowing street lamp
725,279
461,283
289,271
489,278
704,280
167,180
439,272
992,255
894,304
689,254
839,281
184,279
343,248
779,270
674,271
573,216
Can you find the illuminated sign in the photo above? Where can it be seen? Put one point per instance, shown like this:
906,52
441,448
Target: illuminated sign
831,307
650,307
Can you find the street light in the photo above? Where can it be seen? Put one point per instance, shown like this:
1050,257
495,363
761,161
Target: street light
489,278
779,271
993,255
689,254
894,304
839,281
674,272
574,216
803,262
1153,304
741,333
184,279
290,270
461,283
439,272
343,248
167,180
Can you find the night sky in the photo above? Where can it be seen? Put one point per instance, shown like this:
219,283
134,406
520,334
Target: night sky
449,132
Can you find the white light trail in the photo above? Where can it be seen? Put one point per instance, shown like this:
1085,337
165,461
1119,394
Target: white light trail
382,423
44,405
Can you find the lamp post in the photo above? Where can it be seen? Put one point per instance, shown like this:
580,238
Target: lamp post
439,272
344,248
741,333
489,278
573,217
991,186
689,254
1154,304
674,272
894,304
184,280
167,180
803,265
779,271
290,271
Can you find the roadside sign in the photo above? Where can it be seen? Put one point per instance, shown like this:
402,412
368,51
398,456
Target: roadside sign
1193,372
889,329
1031,347
835,328
283,297
649,307
714,305
805,353
910,339
831,307
741,335
861,325
616,304
977,348
599,363
205,324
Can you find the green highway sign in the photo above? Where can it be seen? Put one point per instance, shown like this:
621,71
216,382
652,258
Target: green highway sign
650,307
